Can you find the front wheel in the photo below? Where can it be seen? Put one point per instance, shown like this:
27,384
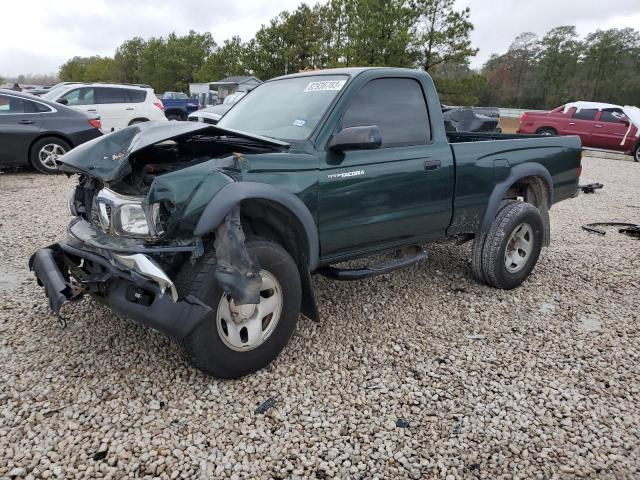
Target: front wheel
636,153
239,339
508,252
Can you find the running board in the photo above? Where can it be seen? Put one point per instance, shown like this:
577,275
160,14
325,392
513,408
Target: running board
373,270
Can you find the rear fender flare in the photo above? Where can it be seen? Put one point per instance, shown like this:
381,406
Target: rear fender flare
518,172
234,193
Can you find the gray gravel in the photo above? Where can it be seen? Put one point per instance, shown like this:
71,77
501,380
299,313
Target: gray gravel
421,374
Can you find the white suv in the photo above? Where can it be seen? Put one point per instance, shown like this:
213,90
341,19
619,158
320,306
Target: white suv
118,105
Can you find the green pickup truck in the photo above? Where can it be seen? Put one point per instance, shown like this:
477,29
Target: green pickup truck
211,233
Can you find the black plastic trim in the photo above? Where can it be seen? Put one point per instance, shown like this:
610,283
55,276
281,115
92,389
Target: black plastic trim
232,194
518,172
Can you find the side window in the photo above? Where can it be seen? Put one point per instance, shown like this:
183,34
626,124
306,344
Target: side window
612,116
397,106
35,107
137,96
585,114
11,105
111,95
80,96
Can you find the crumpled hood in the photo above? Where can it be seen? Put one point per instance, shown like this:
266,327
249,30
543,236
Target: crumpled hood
106,158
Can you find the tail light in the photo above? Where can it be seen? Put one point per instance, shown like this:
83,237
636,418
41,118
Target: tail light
159,105
95,123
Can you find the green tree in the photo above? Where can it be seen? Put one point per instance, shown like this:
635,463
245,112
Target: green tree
229,59
441,33
557,64
128,60
610,64
87,69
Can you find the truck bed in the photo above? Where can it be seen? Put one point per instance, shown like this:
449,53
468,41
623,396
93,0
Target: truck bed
489,158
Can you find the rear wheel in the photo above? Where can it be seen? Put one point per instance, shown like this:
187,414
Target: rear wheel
511,248
239,339
45,153
175,116
547,131
636,153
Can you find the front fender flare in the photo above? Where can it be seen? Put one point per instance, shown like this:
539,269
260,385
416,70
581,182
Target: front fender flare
234,193
518,172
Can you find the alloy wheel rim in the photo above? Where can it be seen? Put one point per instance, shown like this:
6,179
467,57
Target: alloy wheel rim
49,154
518,248
246,327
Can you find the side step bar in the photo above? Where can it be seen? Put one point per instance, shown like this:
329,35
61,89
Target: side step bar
373,270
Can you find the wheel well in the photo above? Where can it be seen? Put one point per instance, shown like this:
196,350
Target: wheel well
533,190
546,128
270,220
176,111
45,135
139,119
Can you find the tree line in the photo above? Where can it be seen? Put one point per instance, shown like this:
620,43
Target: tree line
549,71
427,34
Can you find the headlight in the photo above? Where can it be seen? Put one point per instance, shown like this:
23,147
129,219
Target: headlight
127,216
131,218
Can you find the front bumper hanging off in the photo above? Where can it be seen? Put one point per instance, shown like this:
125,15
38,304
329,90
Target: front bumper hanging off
131,285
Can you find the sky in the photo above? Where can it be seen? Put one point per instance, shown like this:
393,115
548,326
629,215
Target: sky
38,39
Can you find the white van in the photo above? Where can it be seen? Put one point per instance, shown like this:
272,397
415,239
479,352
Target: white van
117,105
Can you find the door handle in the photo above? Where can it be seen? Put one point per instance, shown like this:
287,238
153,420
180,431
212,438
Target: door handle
91,110
598,126
129,108
572,123
26,122
432,164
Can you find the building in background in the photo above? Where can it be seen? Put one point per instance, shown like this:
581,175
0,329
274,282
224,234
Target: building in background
224,87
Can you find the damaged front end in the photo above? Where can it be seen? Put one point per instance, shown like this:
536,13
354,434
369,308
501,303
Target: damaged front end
139,196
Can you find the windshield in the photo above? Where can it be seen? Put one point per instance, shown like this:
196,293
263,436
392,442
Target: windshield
287,109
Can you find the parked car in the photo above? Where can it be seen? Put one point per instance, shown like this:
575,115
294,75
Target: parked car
43,90
471,119
117,105
37,132
178,105
210,233
213,114
599,125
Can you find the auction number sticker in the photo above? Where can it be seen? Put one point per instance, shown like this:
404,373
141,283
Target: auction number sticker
325,85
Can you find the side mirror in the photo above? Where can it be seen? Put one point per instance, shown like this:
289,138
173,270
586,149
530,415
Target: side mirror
62,101
356,138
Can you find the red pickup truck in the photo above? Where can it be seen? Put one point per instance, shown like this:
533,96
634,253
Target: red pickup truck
599,125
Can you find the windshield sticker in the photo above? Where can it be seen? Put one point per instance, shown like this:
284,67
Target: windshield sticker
299,122
325,86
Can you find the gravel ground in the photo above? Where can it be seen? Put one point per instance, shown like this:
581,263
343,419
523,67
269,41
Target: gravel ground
420,374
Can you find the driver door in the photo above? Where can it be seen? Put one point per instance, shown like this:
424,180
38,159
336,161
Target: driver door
391,195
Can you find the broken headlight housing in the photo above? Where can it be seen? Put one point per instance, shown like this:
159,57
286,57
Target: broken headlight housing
126,216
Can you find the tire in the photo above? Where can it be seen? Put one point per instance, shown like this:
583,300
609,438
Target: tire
478,245
512,246
175,116
547,131
45,152
207,347
636,153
